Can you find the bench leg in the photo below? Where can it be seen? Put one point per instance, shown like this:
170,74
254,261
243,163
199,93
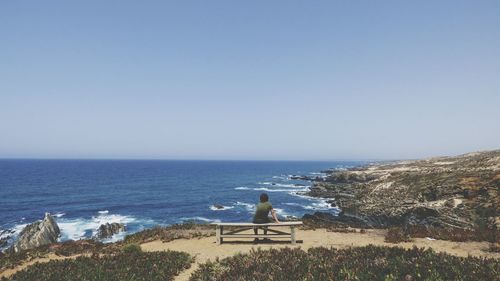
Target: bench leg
292,232
217,234
221,232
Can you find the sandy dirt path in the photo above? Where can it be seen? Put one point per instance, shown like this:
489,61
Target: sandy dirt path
206,249
48,258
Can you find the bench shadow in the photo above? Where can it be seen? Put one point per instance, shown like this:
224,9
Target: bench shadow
272,242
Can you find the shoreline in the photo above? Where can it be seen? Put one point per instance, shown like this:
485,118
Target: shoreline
458,192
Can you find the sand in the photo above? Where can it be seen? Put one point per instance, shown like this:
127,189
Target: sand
205,248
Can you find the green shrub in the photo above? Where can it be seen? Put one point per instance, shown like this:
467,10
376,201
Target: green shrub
132,249
123,266
361,263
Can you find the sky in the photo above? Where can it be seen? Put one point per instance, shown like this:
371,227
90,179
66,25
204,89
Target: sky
248,80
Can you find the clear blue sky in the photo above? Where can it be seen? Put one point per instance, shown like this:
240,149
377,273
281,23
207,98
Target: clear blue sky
303,80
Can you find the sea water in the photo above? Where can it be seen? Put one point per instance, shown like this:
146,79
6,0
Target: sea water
83,194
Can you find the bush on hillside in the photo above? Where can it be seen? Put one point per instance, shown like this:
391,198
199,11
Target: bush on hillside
132,249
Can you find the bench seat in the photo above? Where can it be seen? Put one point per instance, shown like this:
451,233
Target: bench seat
242,226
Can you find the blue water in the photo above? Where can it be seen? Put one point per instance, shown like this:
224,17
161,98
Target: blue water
82,194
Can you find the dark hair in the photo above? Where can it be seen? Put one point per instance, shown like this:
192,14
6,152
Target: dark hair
264,198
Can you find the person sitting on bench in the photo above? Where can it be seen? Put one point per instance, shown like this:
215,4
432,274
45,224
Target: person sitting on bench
262,214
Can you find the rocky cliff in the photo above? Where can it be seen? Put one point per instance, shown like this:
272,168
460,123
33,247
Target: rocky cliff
459,192
38,234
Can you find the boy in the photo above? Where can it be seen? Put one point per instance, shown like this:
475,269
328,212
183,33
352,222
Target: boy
262,214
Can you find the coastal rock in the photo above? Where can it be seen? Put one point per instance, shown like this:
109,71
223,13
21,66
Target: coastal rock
38,234
5,237
321,219
218,206
457,192
4,241
109,229
332,203
304,178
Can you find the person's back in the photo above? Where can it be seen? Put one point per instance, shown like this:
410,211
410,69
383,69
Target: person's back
262,212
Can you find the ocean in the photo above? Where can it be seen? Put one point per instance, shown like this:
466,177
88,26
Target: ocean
83,194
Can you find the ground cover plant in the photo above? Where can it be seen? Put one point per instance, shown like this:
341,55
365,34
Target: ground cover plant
169,233
360,263
131,264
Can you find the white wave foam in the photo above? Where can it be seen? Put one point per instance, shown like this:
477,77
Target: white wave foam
317,204
281,212
18,228
288,185
115,238
293,185
241,188
265,183
199,219
282,177
80,228
213,208
11,234
249,207
302,189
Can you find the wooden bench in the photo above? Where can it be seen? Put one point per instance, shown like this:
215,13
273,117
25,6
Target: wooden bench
243,226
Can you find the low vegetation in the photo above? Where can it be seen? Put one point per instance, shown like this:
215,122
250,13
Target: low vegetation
11,260
397,235
69,248
129,265
404,234
457,235
169,233
361,263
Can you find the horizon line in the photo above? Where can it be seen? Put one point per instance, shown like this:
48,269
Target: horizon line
201,160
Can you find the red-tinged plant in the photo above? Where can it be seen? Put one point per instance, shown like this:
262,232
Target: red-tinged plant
361,263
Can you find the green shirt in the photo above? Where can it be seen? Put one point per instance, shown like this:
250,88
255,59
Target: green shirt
262,212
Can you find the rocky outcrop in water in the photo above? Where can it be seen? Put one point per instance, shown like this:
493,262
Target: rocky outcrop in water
458,192
4,241
37,234
109,229
5,236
